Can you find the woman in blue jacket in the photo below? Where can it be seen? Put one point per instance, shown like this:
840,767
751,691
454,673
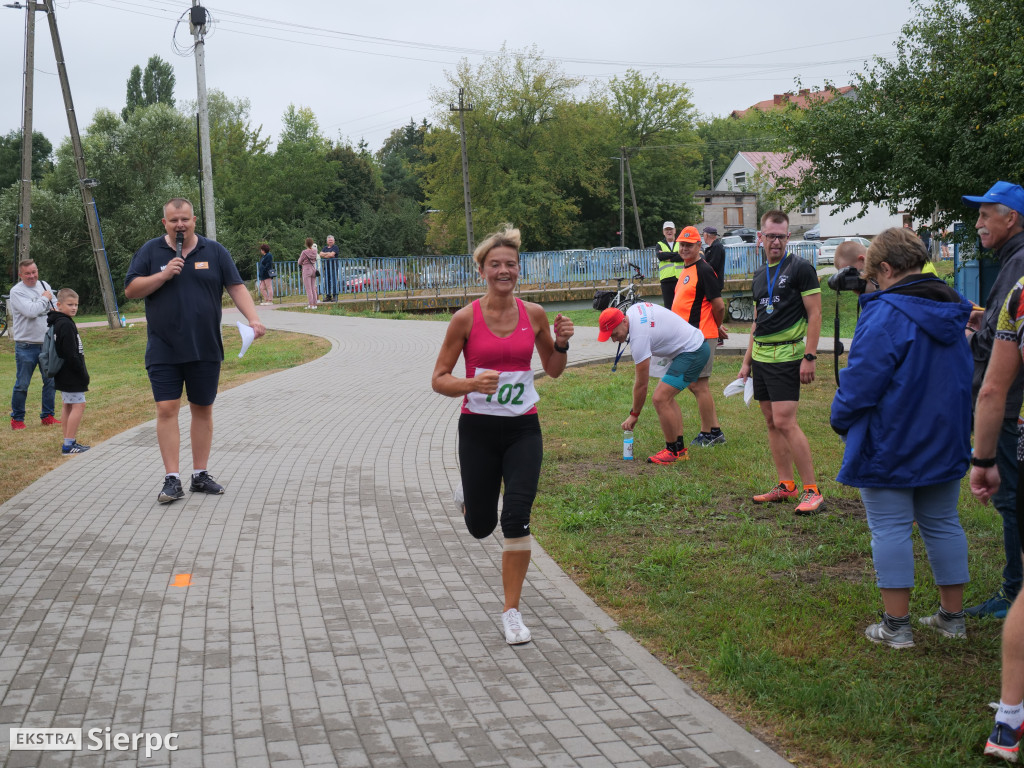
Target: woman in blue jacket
904,406
265,274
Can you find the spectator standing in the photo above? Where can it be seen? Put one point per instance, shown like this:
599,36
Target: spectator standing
73,378
307,263
31,300
787,305
698,301
329,266
669,263
714,254
265,274
1000,225
909,347
184,348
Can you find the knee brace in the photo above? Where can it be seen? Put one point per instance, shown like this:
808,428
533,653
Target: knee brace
519,544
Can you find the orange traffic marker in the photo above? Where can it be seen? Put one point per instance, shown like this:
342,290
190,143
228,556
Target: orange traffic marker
182,580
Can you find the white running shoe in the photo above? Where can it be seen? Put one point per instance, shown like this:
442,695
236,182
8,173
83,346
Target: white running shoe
515,632
459,499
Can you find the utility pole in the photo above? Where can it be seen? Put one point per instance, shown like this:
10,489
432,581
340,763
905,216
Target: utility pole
23,233
198,24
85,184
461,109
622,196
636,211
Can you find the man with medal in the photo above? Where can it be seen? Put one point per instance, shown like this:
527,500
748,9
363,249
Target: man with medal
787,307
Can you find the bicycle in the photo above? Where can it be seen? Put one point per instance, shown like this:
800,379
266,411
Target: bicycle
3,314
622,298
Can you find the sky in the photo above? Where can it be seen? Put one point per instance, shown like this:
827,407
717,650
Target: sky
366,68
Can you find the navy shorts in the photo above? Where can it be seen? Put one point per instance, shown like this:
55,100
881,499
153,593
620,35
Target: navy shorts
199,378
777,382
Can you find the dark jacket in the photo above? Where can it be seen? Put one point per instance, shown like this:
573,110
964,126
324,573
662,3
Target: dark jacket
904,400
1011,269
265,264
714,255
72,376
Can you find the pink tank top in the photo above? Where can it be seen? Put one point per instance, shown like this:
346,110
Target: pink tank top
485,351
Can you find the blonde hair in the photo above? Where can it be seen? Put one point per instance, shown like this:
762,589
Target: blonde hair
508,236
898,247
66,293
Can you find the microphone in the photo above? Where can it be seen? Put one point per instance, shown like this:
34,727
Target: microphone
178,242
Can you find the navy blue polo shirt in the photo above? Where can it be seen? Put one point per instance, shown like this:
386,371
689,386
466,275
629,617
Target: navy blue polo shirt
183,315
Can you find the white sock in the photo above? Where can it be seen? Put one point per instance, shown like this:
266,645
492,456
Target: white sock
1012,715
173,474
197,472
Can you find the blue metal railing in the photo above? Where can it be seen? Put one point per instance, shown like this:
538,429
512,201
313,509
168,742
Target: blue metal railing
414,275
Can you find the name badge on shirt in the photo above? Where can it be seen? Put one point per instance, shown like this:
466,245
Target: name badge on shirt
202,265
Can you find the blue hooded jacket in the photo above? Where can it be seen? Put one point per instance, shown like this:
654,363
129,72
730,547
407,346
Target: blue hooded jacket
904,400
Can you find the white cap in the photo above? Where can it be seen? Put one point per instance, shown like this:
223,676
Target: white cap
667,225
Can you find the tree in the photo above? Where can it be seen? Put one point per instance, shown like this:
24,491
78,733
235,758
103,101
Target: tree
521,167
944,118
154,86
10,157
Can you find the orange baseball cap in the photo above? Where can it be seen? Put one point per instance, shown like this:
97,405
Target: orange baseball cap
608,322
689,235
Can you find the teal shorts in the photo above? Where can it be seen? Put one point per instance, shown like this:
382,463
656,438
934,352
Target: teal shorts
686,368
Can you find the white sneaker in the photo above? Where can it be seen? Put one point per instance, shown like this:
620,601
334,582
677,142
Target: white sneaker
515,632
459,499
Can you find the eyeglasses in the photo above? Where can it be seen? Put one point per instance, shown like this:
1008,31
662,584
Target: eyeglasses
776,238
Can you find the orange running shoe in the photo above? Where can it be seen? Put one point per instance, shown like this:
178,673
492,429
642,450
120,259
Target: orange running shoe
778,493
665,456
810,502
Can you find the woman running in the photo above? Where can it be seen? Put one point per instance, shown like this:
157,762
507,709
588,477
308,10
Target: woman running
499,431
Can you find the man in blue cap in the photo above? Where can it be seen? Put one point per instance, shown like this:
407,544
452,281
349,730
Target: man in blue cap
1000,226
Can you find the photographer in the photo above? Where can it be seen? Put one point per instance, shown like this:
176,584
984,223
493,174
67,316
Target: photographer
909,348
850,253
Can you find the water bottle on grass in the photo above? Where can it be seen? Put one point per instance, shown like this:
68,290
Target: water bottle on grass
627,445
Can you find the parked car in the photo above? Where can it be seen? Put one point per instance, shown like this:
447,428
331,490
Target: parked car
805,249
621,259
377,280
733,240
828,248
814,233
577,259
749,235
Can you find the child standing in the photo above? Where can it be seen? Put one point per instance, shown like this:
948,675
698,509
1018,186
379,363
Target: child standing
72,380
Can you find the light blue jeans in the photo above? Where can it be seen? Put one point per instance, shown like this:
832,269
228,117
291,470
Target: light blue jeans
891,515
26,359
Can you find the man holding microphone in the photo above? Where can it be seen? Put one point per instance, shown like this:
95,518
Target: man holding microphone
182,276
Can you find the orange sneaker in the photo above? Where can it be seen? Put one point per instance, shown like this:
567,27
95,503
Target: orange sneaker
810,502
778,493
665,456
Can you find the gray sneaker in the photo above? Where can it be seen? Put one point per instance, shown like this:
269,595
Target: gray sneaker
879,633
956,628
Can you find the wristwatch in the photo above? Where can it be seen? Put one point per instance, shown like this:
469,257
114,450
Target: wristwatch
810,357
564,349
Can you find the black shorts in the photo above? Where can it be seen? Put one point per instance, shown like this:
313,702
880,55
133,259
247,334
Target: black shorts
200,379
777,382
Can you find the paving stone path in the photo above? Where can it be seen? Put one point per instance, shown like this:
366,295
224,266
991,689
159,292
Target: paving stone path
338,613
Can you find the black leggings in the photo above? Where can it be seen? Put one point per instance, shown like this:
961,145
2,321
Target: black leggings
492,449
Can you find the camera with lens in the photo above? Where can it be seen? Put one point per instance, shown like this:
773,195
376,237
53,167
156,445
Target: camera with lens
848,279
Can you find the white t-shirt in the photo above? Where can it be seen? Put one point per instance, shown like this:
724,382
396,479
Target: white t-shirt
659,332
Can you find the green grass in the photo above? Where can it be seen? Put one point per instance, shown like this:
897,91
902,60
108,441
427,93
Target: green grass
119,395
759,610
